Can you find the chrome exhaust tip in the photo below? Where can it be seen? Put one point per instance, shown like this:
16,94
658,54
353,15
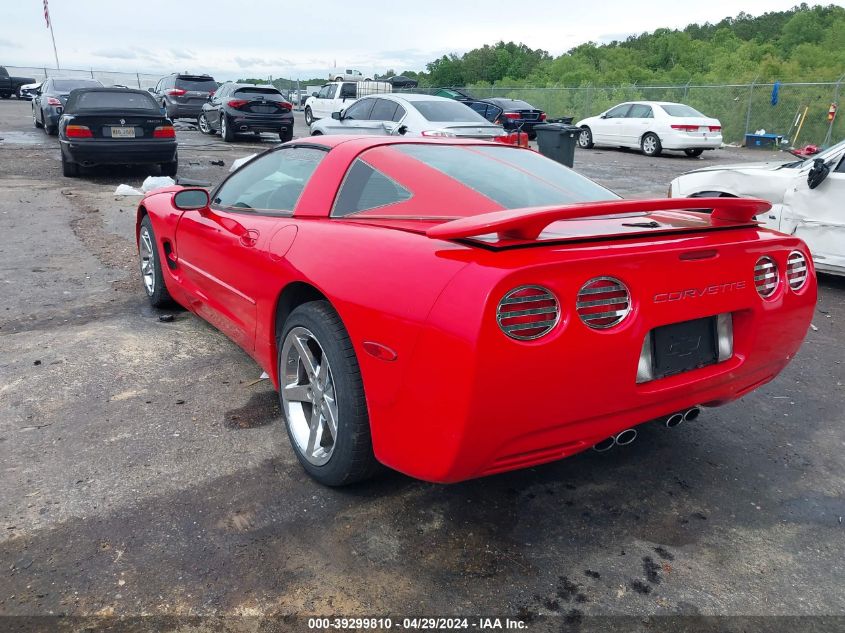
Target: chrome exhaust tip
623,438
674,420
604,445
692,414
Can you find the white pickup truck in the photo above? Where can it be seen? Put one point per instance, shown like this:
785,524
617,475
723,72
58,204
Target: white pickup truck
348,74
335,96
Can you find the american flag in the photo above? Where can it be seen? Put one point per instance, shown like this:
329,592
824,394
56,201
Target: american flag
46,14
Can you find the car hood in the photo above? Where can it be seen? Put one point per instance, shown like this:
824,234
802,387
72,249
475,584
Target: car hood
769,166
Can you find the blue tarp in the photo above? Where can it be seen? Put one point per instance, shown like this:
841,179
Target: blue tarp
775,93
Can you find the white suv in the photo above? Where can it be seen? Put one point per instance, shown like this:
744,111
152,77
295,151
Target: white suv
334,97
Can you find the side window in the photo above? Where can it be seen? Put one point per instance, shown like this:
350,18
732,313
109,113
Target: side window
365,188
324,92
332,93
840,168
360,110
383,110
348,91
399,114
479,107
640,111
273,182
618,112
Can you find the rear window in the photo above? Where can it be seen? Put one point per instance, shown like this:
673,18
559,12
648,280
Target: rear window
72,84
680,110
196,84
513,178
113,101
365,188
513,104
267,93
447,112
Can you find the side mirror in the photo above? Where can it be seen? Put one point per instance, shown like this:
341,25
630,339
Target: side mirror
817,173
191,199
603,116
337,116
401,130
314,94
152,90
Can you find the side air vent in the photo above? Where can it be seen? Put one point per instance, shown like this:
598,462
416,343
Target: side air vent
528,312
603,302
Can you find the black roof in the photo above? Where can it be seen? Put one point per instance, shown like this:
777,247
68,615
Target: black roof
76,93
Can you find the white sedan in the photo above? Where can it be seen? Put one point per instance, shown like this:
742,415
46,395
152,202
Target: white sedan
409,115
652,126
806,195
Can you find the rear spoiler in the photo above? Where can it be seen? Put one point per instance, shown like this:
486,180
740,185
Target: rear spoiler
527,224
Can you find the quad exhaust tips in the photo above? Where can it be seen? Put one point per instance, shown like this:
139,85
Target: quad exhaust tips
682,416
623,438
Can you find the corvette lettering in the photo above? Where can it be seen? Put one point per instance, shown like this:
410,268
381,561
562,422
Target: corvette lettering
695,293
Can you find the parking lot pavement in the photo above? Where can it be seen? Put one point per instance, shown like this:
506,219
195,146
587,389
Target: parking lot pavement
146,470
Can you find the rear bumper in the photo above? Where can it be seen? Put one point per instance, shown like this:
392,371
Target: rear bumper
260,123
473,402
183,111
111,152
691,141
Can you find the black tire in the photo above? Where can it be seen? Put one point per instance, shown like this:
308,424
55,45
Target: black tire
225,130
693,153
35,120
286,135
650,144
6,95
69,169
309,117
202,122
158,296
169,169
585,138
52,130
352,459
316,133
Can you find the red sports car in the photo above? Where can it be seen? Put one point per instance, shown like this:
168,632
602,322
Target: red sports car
455,308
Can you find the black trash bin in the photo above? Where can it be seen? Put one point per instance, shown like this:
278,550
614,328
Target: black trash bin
557,141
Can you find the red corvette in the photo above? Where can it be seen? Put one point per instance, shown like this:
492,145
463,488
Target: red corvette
453,309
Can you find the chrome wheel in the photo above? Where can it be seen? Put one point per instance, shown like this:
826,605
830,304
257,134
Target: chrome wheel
649,144
148,262
584,138
203,125
223,126
308,396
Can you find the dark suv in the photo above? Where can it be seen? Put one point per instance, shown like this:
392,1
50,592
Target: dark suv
238,108
183,95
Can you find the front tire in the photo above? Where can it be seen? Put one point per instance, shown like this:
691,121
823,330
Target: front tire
322,397
170,168
35,120
650,144
151,273
309,117
225,131
52,130
203,125
585,138
286,135
693,153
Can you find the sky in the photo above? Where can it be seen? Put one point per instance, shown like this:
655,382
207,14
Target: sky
261,38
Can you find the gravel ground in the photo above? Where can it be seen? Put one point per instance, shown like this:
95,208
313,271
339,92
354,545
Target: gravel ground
146,471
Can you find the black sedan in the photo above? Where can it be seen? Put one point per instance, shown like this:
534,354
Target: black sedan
50,100
241,108
517,114
115,126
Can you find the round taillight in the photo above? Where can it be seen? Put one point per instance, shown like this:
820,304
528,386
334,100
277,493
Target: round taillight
796,270
766,276
603,302
528,312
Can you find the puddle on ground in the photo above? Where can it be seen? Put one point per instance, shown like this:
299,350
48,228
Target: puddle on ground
23,137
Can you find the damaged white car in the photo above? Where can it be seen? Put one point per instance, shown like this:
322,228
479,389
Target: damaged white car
807,196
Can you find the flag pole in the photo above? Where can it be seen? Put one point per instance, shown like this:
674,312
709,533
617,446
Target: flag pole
55,52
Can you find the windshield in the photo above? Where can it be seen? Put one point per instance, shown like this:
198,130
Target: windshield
511,177
117,100
447,112
677,109
67,85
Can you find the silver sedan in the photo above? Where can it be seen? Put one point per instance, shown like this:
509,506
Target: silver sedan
408,115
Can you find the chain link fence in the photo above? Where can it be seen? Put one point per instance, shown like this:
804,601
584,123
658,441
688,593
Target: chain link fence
106,77
741,108
800,114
